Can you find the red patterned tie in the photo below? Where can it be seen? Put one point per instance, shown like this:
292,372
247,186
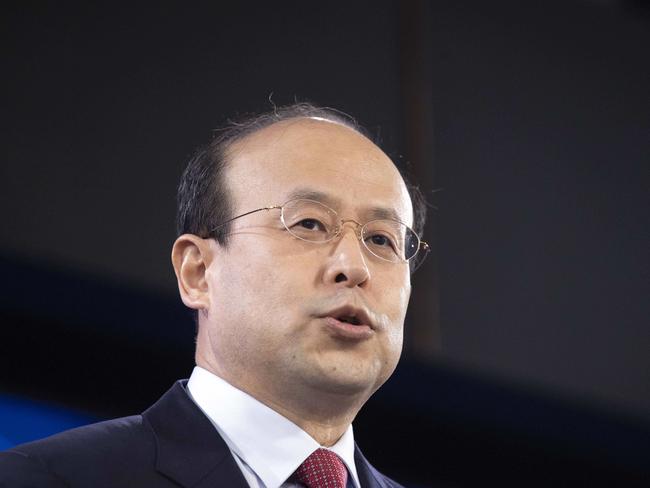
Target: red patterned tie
322,469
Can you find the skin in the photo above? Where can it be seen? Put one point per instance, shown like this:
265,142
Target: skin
263,299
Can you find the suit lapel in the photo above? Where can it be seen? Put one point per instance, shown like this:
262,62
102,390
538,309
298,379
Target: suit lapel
189,449
191,452
368,475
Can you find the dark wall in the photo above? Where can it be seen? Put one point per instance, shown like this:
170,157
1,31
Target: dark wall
541,133
105,105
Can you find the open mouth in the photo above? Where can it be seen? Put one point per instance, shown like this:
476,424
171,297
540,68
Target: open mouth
350,315
349,320
349,323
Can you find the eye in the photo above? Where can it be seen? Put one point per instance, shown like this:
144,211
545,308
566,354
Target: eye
383,246
385,239
310,224
380,240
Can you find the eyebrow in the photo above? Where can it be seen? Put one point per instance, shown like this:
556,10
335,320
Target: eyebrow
319,196
309,194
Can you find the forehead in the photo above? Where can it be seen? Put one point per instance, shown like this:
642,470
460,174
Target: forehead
269,166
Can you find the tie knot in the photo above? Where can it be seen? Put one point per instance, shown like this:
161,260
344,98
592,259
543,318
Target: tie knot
322,469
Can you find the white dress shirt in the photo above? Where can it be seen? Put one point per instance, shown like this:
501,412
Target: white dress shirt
267,446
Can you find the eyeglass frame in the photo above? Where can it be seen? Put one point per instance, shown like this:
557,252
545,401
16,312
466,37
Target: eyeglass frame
422,245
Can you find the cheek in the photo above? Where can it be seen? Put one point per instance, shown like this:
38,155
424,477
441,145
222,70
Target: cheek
395,303
391,350
395,298
394,340
256,289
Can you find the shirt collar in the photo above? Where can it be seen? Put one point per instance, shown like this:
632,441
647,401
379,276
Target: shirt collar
270,444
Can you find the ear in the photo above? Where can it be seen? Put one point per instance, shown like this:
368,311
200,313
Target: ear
191,257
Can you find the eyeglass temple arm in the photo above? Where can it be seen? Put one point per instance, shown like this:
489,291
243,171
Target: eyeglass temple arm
271,207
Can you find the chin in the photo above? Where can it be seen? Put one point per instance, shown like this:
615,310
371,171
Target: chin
355,392
342,379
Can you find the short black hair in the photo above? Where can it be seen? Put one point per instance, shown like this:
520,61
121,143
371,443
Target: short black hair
204,201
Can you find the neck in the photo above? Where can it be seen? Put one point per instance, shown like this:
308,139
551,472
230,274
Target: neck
316,416
324,415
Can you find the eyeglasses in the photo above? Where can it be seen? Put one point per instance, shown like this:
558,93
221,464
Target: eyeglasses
311,221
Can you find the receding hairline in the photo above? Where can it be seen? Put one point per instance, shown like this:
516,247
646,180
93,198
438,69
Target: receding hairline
311,119
203,197
235,146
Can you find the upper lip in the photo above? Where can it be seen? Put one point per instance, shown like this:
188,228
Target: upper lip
349,311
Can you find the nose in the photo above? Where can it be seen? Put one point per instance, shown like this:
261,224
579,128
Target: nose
346,264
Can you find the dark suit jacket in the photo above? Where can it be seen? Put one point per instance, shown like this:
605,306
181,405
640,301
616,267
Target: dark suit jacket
171,444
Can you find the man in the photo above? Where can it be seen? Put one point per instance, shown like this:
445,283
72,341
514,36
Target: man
295,250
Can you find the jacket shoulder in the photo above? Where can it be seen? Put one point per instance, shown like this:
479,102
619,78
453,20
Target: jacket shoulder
93,439
78,454
18,469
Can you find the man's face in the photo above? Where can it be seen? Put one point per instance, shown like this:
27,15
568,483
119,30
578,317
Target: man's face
274,299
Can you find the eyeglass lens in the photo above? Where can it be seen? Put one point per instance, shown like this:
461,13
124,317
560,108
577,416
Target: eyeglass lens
310,220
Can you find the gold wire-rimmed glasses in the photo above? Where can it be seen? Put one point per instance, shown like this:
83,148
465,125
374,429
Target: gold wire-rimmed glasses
312,221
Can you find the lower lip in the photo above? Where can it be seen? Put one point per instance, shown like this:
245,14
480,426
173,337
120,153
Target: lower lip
348,331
